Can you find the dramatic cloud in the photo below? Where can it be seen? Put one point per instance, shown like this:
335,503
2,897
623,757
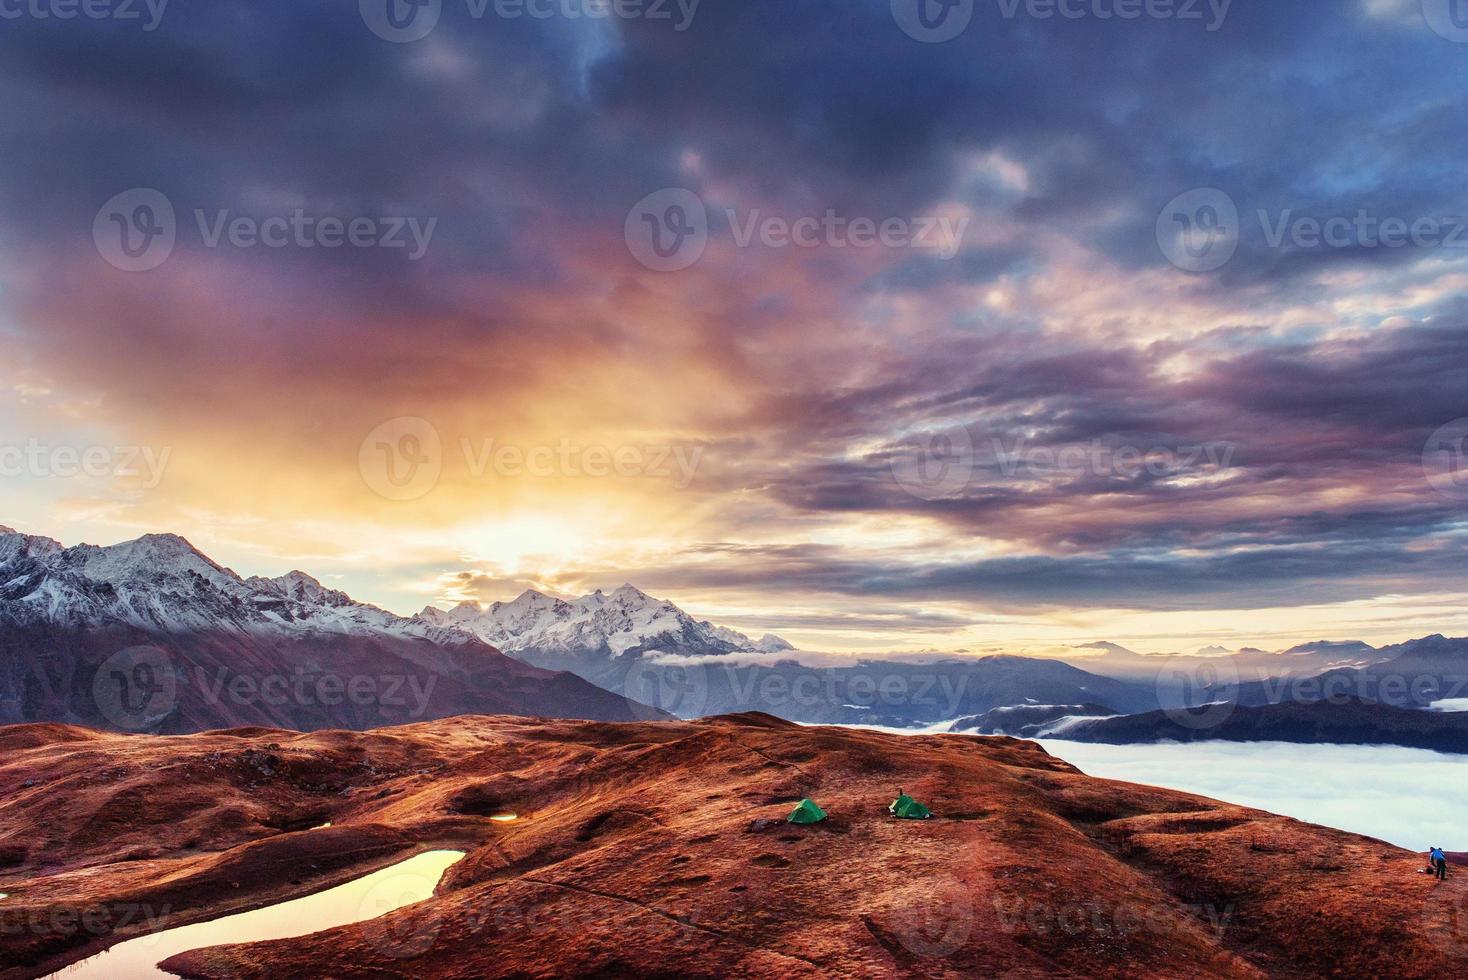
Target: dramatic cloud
1012,422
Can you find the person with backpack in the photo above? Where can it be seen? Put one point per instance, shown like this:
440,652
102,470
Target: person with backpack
1439,862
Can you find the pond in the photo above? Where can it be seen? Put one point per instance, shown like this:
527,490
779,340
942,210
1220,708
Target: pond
365,898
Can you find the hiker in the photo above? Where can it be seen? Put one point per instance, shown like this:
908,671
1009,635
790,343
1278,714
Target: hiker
1439,862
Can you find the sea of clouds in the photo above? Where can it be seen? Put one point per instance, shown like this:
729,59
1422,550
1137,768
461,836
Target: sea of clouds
1409,797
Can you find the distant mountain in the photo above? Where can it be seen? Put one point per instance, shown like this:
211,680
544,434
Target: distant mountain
1415,674
1347,722
890,693
625,623
153,635
1173,671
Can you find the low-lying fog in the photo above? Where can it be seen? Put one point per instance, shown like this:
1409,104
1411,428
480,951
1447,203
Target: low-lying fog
1410,797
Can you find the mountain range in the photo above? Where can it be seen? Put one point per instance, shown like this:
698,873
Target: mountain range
151,635
625,623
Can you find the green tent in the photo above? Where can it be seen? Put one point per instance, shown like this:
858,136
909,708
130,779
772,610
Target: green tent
907,808
807,812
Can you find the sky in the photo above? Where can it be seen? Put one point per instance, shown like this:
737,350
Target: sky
968,327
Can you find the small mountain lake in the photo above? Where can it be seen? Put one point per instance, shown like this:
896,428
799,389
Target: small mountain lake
367,897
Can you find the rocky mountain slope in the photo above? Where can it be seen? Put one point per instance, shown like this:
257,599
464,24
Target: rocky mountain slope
659,850
151,635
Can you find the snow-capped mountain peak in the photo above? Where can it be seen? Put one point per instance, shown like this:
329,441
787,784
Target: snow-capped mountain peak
163,584
624,622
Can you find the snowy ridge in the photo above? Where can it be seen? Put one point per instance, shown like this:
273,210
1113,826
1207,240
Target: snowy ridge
163,584
626,622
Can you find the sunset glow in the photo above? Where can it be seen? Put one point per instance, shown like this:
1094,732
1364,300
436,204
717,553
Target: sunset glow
1156,456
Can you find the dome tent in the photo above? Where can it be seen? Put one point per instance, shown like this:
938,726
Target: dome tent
807,812
907,808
